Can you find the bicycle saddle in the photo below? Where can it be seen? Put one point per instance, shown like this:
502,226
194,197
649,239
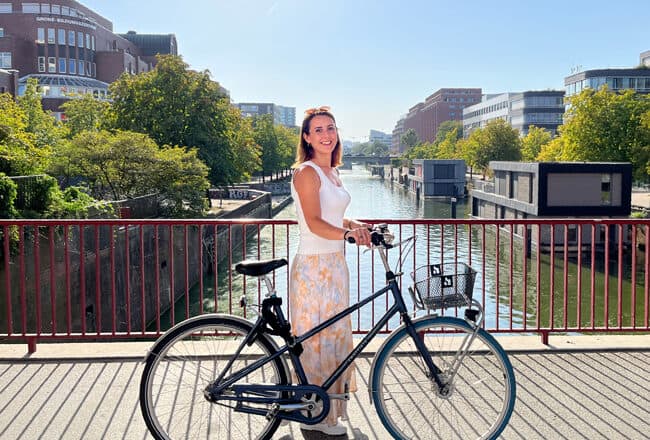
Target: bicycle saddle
258,268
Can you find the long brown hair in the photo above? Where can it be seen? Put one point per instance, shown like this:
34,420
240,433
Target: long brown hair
305,152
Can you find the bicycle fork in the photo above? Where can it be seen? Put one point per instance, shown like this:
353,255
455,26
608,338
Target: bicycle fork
445,379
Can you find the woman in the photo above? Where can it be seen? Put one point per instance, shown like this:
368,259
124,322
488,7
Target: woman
319,280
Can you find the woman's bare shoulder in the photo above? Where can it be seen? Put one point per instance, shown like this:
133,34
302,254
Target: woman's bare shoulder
306,176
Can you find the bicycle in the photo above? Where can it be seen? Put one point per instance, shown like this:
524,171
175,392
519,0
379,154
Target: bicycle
222,376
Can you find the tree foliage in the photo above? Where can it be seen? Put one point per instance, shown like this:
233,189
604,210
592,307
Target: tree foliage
86,114
178,106
122,165
374,148
19,154
602,126
265,135
449,126
532,143
287,143
410,138
496,141
46,130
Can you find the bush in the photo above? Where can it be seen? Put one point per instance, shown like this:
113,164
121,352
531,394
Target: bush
8,194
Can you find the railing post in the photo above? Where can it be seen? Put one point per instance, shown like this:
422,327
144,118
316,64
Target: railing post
31,345
544,337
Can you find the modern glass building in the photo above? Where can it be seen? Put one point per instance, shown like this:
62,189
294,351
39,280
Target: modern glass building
637,79
543,108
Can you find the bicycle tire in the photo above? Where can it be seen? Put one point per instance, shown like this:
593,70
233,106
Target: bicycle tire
188,357
408,403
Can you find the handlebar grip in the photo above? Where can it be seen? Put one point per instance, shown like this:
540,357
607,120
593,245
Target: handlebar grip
376,238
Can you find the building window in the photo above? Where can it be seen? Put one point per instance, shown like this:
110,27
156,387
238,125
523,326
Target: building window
87,41
606,189
81,67
45,8
31,8
94,70
62,65
5,8
41,64
80,39
5,60
2,32
65,10
51,65
61,36
40,35
88,73
50,36
71,38
56,9
72,64
92,40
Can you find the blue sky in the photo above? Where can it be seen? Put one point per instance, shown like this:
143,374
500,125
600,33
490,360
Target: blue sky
371,60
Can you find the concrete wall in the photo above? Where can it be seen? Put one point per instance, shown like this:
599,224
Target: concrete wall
106,278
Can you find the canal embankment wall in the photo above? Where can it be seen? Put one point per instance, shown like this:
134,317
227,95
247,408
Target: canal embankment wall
138,270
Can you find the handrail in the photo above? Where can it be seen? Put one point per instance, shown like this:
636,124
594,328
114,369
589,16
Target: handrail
110,279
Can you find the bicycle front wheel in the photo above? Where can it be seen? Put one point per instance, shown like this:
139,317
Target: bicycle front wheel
185,360
481,396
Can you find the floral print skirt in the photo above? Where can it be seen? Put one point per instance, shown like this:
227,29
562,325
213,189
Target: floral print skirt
319,289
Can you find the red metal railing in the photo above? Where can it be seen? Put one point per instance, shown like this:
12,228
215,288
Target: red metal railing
133,279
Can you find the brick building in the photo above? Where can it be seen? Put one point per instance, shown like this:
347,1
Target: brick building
444,105
71,50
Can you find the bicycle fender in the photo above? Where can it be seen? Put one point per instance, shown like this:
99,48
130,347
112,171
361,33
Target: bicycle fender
393,335
198,318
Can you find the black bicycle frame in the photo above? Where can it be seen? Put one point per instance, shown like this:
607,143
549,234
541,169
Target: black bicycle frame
398,307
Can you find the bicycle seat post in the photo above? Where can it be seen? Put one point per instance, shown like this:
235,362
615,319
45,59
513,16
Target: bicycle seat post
270,288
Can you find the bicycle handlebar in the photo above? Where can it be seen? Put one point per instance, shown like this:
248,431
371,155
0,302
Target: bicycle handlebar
380,235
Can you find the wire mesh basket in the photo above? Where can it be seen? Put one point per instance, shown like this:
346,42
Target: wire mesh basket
439,286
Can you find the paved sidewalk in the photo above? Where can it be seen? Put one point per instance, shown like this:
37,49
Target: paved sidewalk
577,388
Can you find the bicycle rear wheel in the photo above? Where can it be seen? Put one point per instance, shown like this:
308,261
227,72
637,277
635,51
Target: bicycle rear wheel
187,358
409,405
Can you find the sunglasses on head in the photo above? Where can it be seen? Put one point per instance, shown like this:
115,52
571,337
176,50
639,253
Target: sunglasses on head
315,110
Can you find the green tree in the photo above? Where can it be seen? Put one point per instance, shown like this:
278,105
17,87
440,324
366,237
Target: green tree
265,135
496,141
532,143
85,114
125,164
552,151
421,151
410,138
449,126
18,152
8,194
47,131
608,127
287,143
178,106
448,146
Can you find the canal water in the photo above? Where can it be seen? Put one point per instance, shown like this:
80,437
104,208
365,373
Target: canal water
502,295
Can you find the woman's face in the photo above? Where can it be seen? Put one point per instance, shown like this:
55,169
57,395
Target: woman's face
322,135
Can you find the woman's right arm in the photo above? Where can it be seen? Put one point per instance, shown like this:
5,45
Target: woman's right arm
307,184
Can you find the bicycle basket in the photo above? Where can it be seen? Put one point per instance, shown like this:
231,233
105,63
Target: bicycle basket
439,286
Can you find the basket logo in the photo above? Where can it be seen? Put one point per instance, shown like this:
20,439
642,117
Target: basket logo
447,281
436,269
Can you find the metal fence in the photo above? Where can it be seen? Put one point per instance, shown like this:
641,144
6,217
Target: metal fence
133,279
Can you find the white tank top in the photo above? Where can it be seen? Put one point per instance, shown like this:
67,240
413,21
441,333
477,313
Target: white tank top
333,202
